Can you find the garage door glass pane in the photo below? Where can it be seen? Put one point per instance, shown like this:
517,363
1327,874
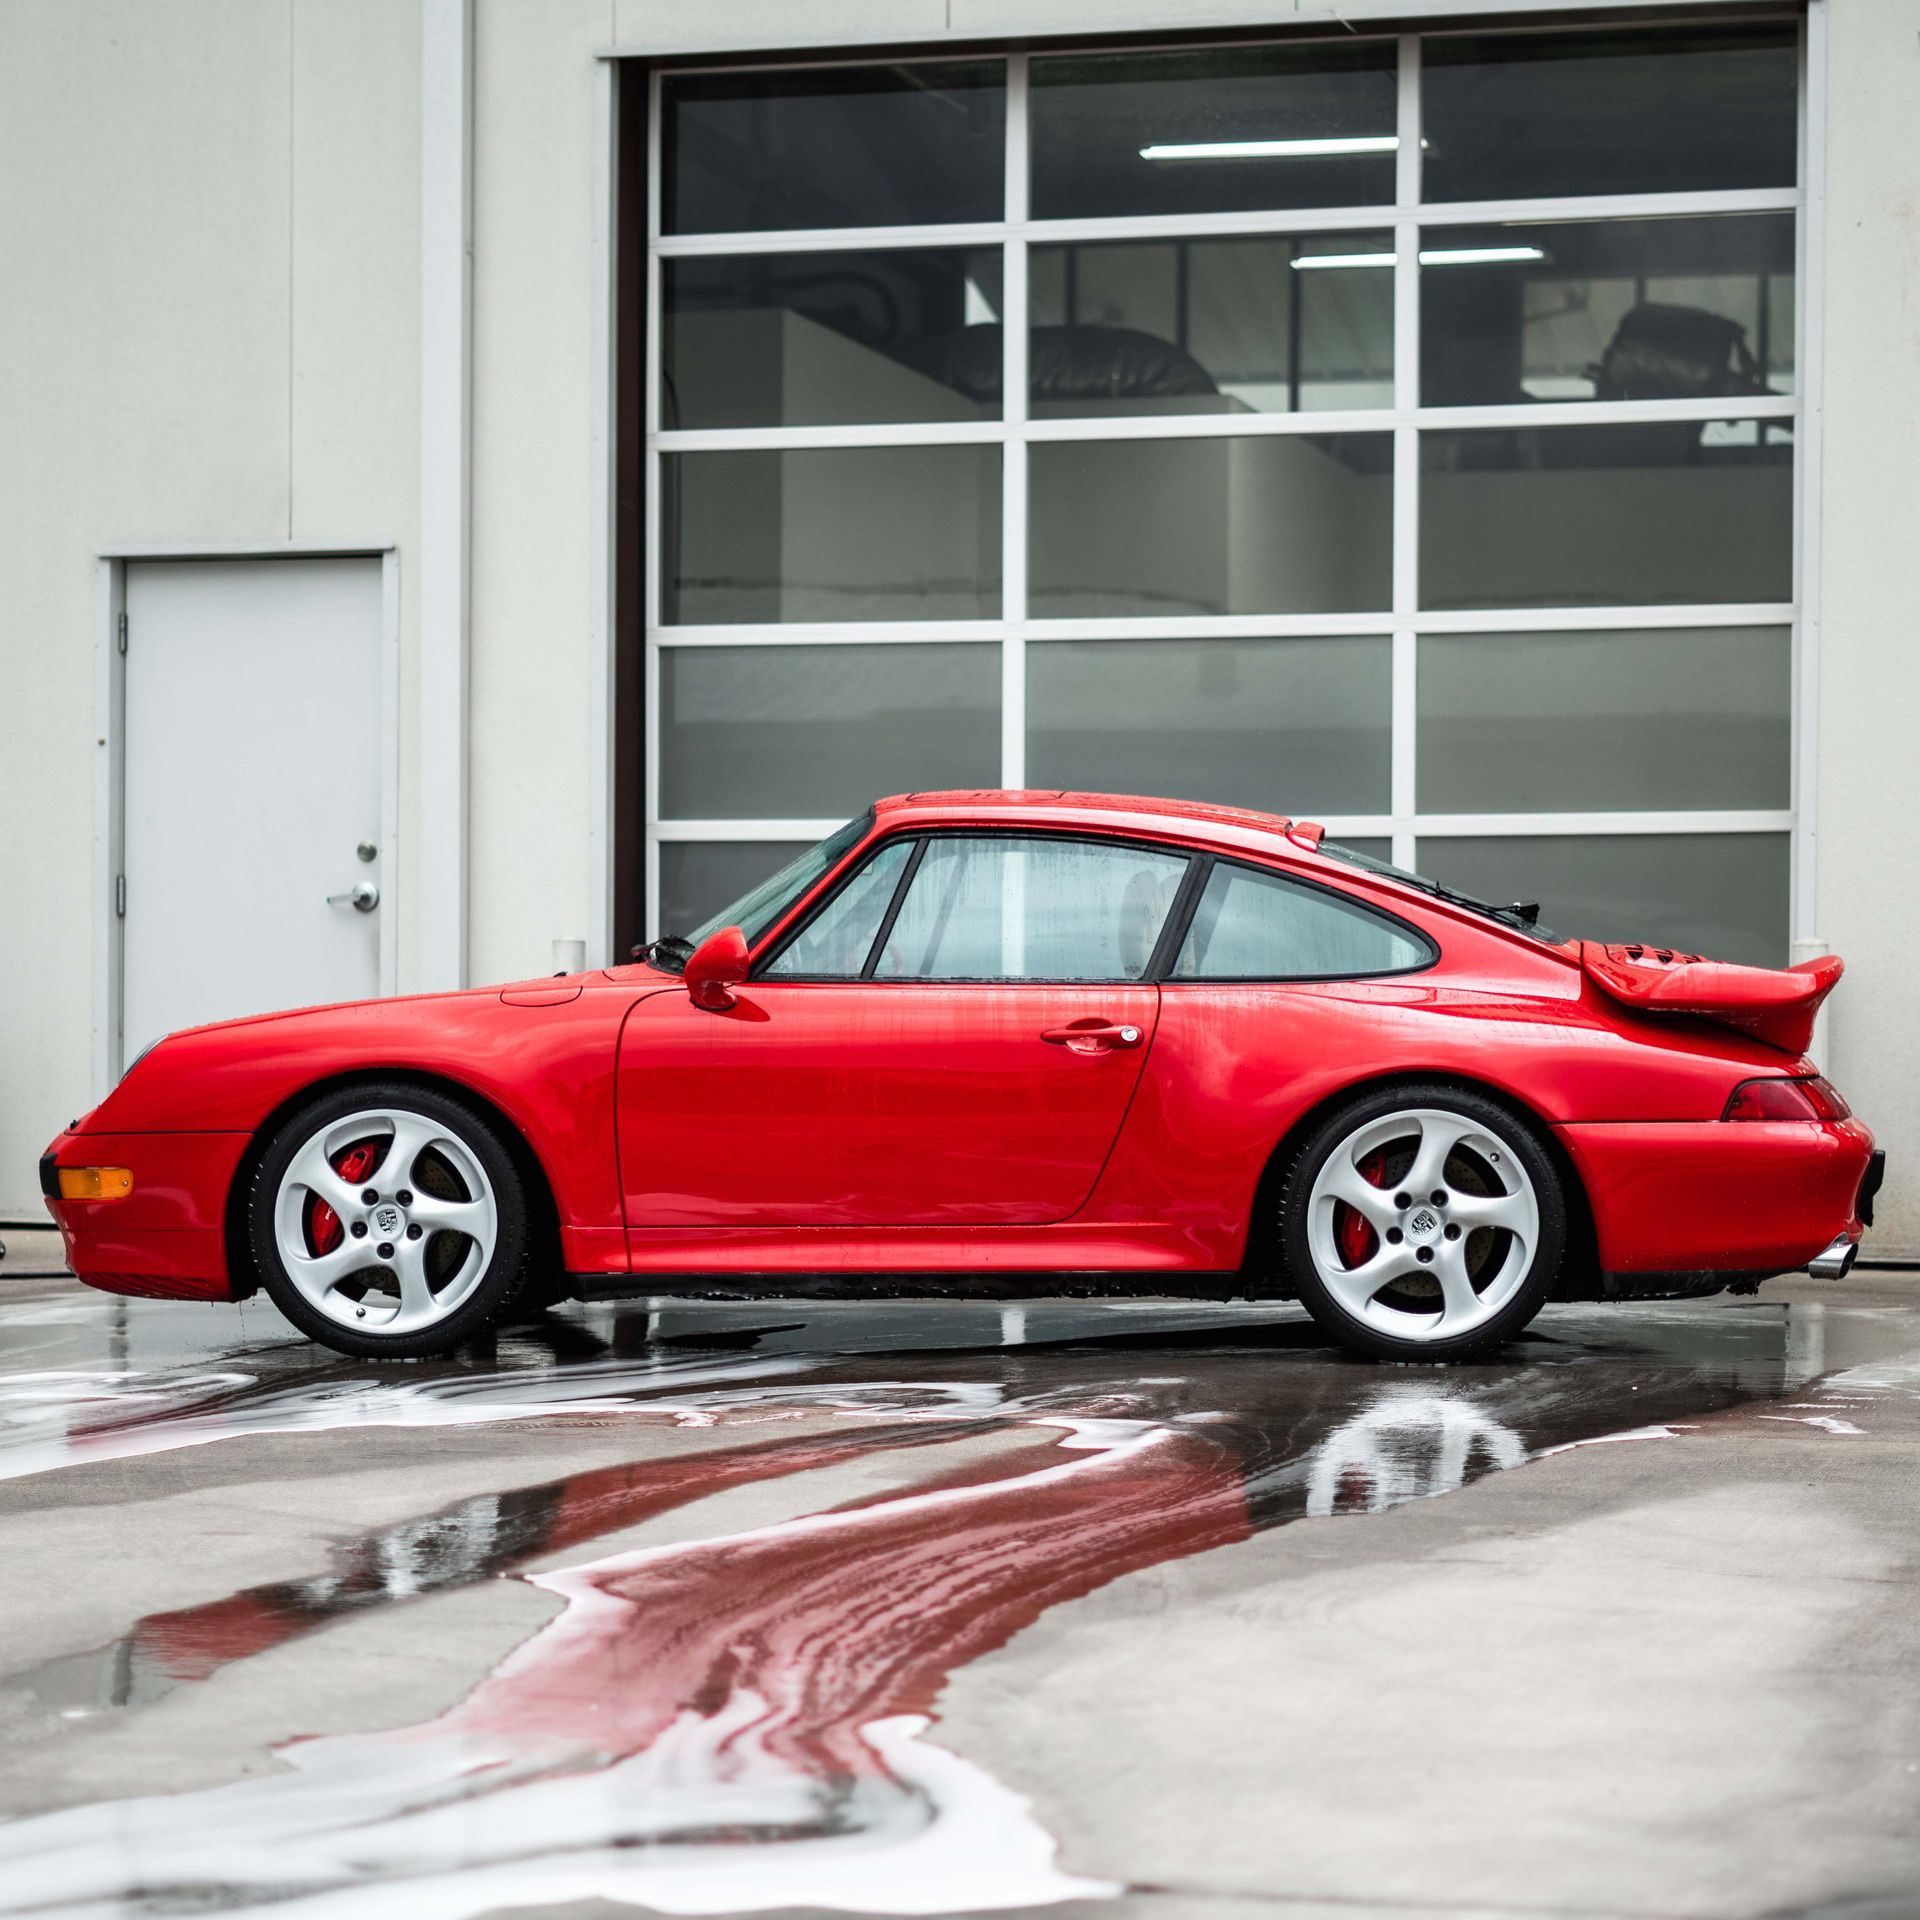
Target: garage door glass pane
1213,326
1283,523
804,733
830,339
831,533
698,878
1673,512
834,147
835,943
1214,129
1606,310
1720,894
1289,726
1256,926
1524,114
1031,909
1527,722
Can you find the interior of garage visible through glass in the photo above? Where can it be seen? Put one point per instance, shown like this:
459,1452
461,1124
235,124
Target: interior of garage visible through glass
1214,129
1262,323
1609,110
1653,718
830,533
830,339
1273,523
1655,513
755,733
1673,309
875,144
1292,726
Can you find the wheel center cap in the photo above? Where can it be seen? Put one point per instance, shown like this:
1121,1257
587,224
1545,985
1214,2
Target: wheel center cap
387,1221
1422,1224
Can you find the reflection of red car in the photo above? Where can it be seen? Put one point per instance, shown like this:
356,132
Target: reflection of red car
1005,1044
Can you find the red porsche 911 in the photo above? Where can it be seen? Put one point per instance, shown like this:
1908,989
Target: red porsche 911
1005,1044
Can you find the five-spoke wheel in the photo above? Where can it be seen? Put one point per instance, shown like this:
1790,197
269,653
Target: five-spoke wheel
1422,1221
389,1219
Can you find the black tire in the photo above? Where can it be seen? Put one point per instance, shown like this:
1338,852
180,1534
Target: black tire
1493,1122
484,1301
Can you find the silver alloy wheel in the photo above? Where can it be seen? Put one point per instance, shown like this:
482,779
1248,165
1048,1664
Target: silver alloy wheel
1459,1224
423,1276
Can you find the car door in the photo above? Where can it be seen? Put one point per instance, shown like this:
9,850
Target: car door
951,1040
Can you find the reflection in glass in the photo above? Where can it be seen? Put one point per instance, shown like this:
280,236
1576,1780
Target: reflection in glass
1720,894
1512,115
1277,523
830,339
1031,909
835,943
1243,325
831,533
1667,513
1289,726
770,733
700,877
1214,129
1531,722
834,147
1607,310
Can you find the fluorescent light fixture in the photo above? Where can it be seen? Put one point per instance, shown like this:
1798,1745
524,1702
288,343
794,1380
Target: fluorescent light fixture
1274,149
1429,257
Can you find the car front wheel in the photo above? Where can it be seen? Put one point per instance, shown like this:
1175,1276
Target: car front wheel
389,1221
1422,1222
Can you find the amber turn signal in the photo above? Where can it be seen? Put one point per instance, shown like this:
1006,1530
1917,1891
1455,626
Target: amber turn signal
95,1183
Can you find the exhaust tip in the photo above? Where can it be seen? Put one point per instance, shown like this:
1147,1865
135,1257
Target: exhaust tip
1837,1261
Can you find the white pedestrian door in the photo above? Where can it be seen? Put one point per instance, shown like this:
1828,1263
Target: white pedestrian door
251,790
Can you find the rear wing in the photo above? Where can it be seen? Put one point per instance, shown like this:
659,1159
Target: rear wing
1774,1004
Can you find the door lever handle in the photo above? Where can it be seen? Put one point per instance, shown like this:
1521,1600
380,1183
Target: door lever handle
1092,1037
363,897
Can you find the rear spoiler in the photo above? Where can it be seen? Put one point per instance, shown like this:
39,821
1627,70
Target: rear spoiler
1776,1005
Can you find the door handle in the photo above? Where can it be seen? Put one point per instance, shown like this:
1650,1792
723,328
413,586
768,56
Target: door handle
363,897
1093,1037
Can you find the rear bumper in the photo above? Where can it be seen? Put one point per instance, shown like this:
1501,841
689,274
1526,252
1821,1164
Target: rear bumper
1723,1196
167,1238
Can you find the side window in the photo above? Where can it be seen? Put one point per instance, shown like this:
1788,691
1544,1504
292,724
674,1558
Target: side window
1028,908
1257,926
835,943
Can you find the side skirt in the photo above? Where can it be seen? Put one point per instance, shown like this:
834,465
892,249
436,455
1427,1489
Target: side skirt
921,1286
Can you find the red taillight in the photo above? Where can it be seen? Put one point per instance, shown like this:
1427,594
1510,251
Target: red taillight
1781,1099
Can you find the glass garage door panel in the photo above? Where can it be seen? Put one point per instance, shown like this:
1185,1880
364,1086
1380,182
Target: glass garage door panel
1606,310
1720,894
831,533
1656,514
818,732
1579,722
1289,726
1282,523
1214,129
1636,111
830,339
834,147
1258,324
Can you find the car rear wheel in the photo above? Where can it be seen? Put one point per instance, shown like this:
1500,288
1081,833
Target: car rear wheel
1422,1223
389,1221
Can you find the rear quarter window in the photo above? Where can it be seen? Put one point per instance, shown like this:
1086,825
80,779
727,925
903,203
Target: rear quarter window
1253,925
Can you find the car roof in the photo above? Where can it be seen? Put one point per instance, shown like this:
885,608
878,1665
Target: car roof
1236,827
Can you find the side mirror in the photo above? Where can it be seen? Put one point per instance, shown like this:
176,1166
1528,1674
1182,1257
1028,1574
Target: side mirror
718,963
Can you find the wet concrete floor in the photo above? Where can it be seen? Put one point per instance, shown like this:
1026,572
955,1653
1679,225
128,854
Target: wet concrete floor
1090,1608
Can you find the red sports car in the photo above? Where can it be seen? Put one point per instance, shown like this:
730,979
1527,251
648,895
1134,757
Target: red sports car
1005,1044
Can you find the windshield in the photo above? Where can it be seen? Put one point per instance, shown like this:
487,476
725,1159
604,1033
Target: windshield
753,913
1523,916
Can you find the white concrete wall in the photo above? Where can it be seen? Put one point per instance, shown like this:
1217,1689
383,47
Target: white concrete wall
207,335
1869,737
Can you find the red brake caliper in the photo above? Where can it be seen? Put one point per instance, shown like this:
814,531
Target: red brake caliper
1352,1231
353,1166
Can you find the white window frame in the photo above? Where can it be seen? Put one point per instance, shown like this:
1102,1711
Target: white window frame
1403,825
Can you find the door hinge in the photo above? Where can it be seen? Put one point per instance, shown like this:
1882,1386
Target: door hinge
123,629
120,895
